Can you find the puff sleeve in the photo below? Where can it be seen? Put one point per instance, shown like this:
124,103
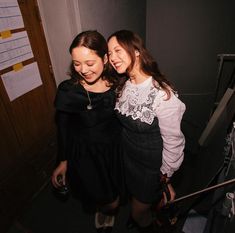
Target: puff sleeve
169,114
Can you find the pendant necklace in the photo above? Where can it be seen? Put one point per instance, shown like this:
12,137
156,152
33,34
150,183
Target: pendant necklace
89,106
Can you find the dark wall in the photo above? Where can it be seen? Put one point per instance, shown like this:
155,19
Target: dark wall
108,16
185,37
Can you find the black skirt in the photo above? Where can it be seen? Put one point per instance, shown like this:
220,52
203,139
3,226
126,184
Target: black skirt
142,155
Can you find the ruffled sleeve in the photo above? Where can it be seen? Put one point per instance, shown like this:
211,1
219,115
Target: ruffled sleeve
69,97
169,113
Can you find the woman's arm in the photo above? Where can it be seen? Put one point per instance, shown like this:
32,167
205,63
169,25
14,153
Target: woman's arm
169,114
62,121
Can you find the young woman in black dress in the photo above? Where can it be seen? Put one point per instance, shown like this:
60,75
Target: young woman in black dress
88,131
151,114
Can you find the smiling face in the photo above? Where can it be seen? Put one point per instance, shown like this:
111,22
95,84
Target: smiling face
87,63
118,56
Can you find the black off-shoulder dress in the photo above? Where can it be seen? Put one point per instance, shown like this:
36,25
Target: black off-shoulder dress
89,140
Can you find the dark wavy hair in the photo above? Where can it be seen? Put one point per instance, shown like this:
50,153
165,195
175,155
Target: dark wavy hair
131,42
93,40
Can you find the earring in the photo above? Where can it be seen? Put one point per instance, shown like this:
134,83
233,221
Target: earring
137,53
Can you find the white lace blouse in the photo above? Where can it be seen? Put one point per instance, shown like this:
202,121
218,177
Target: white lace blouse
145,102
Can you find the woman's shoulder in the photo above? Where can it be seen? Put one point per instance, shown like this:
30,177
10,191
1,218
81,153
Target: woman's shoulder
68,95
66,85
166,93
167,97
174,102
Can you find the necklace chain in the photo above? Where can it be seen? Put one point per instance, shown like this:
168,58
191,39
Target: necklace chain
89,106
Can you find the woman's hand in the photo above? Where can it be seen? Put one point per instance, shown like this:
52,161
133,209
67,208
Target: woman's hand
172,194
169,194
59,171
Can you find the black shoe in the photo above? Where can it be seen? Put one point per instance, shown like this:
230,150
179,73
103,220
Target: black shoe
100,230
108,224
99,227
148,229
107,229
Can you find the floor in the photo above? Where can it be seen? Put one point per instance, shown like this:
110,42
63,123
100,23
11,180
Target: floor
48,214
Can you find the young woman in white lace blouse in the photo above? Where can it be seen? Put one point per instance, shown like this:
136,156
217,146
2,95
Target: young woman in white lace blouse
151,115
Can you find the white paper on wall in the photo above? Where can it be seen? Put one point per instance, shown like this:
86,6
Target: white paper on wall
11,17
20,82
15,49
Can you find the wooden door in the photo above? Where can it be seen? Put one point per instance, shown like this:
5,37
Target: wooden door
27,129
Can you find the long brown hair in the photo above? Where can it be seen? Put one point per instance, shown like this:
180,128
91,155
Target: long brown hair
131,42
93,40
